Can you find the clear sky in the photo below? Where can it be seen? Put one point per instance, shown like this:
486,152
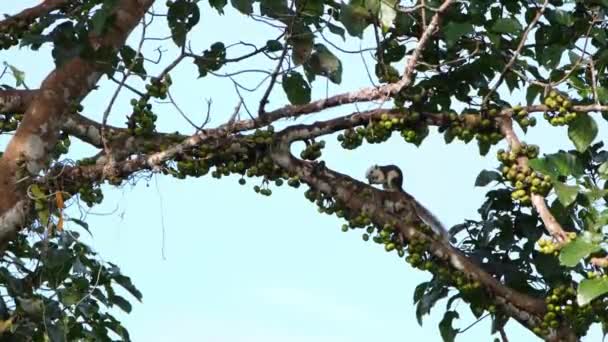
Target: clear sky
238,266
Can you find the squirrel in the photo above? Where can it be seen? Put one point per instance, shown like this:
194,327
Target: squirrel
391,178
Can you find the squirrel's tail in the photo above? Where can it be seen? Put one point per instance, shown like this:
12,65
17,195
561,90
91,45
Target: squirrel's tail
427,217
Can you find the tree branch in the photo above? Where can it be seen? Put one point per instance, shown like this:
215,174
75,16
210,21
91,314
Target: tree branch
32,13
538,201
29,149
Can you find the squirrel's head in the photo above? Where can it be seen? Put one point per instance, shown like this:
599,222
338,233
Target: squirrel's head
375,175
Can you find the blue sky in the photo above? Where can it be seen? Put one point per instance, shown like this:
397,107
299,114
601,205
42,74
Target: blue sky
217,262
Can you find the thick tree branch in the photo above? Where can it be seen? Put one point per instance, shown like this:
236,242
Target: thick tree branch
15,100
29,149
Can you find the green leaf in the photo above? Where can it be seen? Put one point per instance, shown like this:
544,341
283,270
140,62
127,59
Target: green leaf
565,193
181,18
403,23
212,59
354,18
311,8
506,25
453,31
599,34
81,223
561,17
566,164
121,303
337,30
589,289
428,300
551,55
17,74
448,333
595,193
275,9
543,166
243,6
55,332
218,5
126,283
324,63
602,94
558,164
70,295
582,131
419,291
133,61
576,250
532,93
37,192
485,177
603,170
296,88
274,45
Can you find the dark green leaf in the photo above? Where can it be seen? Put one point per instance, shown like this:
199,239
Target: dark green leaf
576,250
582,131
561,17
551,56
56,332
403,23
313,8
548,266
218,5
275,9
485,177
506,25
454,30
448,333
337,30
126,283
296,88
133,61
243,6
212,59
589,289
419,291
274,46
484,147
121,303
599,34
182,16
428,300
532,93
